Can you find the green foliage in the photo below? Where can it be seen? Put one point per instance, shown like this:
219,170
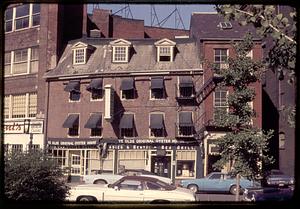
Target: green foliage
269,24
33,176
246,146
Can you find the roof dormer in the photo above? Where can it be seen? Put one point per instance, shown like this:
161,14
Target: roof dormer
81,53
120,52
165,50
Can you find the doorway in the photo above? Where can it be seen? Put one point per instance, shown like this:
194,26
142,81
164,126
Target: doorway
161,165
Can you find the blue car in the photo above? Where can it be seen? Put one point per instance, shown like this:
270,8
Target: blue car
217,182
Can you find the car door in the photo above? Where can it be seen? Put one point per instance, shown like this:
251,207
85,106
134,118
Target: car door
212,182
127,190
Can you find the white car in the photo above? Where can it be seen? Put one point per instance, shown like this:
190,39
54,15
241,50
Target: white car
108,178
131,188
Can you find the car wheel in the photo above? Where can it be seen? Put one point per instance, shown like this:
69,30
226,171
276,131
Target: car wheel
233,189
100,181
193,187
86,199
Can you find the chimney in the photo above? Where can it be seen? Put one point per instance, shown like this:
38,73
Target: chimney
95,33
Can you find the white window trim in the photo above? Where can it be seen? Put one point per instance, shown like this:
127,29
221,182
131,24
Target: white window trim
84,55
171,53
227,51
30,20
126,54
214,96
195,170
149,118
78,126
95,100
73,101
124,99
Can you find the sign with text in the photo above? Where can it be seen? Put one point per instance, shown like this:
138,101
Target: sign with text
17,127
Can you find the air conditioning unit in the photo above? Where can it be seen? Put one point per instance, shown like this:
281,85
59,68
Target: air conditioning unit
213,149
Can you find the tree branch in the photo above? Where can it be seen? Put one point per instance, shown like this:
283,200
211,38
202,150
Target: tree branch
270,25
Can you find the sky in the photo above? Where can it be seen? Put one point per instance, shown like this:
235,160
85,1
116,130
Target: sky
143,12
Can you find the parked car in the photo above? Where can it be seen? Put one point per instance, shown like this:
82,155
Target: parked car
216,182
268,194
109,178
131,188
278,178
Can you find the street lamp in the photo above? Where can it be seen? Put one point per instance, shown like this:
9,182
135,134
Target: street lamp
26,131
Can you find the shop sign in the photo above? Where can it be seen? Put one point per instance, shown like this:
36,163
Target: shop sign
145,147
17,127
71,142
149,141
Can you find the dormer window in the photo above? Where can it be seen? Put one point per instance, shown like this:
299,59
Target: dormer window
120,52
81,53
165,50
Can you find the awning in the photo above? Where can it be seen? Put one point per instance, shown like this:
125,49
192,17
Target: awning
127,84
186,81
157,82
156,121
126,121
185,119
71,121
95,84
94,121
73,86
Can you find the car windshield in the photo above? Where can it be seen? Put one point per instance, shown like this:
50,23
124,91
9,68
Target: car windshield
165,185
135,173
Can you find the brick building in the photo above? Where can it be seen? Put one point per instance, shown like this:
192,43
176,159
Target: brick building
117,103
215,44
35,35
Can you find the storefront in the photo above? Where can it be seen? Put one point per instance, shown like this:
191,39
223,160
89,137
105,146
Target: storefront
165,157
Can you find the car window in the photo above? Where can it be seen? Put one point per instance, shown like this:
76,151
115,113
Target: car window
215,176
153,186
130,185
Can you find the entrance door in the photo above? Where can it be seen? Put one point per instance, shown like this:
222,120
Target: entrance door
75,166
161,165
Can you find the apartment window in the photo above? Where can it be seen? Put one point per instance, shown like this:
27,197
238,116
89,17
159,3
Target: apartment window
16,62
127,125
95,124
22,17
96,88
220,103
127,89
186,86
8,20
17,148
120,50
72,123
157,125
157,88
32,106
220,58
20,105
73,87
6,106
165,54
186,125
120,54
79,56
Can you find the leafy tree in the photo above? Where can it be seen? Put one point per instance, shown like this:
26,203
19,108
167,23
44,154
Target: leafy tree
279,28
33,176
245,147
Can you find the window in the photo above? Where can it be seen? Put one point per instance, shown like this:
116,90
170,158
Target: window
22,17
225,25
79,56
59,156
96,89
73,87
74,96
165,50
165,54
8,20
20,105
75,159
127,132
186,125
16,62
186,87
72,123
220,103
17,148
120,50
120,54
130,185
185,163
97,94
220,58
128,94
157,88
95,124
157,125
127,125
127,88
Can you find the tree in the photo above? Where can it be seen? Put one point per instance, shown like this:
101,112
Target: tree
276,26
245,147
33,176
